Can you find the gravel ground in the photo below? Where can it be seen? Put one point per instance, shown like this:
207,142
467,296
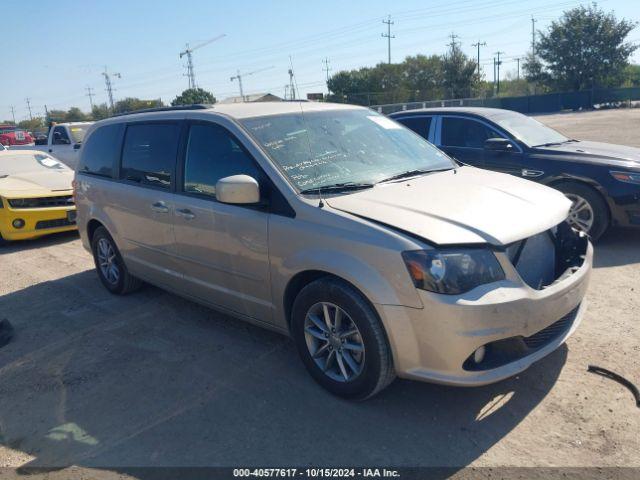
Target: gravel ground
151,379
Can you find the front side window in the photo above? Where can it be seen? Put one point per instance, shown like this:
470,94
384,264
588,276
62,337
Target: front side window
420,125
101,151
212,154
149,154
318,149
465,132
78,132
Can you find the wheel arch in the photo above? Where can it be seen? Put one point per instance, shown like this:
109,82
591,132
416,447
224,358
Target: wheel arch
585,182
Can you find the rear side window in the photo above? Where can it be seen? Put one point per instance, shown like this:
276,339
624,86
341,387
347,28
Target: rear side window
465,132
101,151
420,125
60,136
149,154
212,154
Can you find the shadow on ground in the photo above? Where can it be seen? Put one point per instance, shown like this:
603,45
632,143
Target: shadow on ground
618,246
151,379
46,241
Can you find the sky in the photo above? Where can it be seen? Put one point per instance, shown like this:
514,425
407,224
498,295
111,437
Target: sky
54,50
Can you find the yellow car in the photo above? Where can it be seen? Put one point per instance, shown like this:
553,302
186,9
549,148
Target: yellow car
36,196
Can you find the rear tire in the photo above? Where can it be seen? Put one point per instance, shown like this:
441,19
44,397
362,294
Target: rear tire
577,192
111,269
362,365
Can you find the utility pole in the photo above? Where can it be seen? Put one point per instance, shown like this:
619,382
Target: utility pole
238,77
13,113
478,44
498,63
29,107
453,43
388,36
533,36
326,69
88,94
518,60
109,85
46,112
292,86
191,75
494,74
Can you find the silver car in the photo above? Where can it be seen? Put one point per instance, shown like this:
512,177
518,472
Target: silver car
377,253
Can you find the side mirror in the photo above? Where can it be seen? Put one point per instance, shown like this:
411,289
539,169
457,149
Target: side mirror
498,145
238,189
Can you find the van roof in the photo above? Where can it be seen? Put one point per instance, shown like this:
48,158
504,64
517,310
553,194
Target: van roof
252,109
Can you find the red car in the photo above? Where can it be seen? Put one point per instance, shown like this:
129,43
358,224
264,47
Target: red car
13,135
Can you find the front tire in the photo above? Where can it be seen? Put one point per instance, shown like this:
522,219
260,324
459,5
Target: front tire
341,340
111,269
589,212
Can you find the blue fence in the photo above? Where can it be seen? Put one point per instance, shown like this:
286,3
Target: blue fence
548,103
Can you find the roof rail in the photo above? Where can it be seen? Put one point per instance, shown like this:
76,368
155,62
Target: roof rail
195,106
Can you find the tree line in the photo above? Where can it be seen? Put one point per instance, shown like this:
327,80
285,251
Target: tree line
102,111
585,48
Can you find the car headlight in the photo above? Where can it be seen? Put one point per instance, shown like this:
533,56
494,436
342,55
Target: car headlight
452,271
627,177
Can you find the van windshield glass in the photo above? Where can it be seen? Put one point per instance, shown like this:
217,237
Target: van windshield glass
337,147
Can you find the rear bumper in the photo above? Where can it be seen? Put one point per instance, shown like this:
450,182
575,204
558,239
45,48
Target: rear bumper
436,343
38,222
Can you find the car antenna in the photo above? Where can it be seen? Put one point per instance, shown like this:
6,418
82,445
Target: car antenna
295,84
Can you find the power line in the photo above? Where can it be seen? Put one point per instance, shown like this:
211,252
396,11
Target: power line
388,36
239,76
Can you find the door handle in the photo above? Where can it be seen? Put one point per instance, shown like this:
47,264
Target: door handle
185,213
159,207
531,173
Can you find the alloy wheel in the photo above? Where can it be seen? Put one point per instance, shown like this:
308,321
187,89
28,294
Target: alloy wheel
334,342
107,261
581,215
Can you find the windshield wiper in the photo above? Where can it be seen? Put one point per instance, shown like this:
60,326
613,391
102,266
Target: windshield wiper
336,187
553,144
413,173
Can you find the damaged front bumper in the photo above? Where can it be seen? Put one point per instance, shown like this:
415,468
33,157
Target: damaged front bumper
512,323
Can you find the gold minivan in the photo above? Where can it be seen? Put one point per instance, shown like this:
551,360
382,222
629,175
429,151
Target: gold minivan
376,252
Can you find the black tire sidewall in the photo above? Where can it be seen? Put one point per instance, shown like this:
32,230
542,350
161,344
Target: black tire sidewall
117,288
352,302
597,203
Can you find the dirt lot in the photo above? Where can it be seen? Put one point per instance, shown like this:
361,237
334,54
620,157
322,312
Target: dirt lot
154,380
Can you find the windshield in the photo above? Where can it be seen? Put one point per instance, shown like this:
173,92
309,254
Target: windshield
320,149
27,163
528,130
78,132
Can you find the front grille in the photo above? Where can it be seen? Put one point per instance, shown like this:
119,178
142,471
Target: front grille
41,202
57,223
553,331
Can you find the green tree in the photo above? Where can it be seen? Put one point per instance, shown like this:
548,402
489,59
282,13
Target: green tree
74,114
192,96
98,112
585,48
423,77
131,104
56,116
31,125
459,74
632,76
7,122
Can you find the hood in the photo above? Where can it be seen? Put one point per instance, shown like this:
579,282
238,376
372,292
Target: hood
35,183
598,152
466,207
